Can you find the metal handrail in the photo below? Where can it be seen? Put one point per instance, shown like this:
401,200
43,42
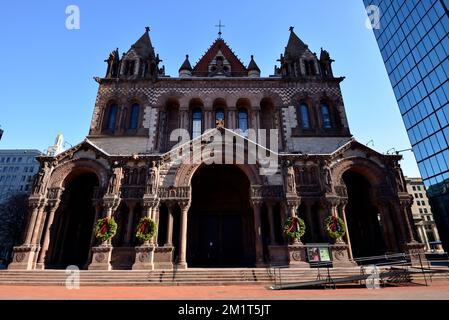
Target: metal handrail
398,259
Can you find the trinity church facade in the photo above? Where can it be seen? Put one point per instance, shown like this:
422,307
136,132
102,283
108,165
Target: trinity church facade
207,214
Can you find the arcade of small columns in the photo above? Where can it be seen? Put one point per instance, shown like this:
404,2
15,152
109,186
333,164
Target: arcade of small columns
41,208
33,252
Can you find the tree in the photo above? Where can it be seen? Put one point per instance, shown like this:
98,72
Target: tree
13,215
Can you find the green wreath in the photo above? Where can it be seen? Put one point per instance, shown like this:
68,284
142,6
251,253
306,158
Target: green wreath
335,227
294,227
146,229
105,229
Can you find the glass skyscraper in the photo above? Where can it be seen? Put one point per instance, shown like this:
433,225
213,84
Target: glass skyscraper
413,38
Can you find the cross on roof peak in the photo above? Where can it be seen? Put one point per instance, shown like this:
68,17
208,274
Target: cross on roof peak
219,26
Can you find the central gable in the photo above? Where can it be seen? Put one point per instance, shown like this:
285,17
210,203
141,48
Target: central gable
219,60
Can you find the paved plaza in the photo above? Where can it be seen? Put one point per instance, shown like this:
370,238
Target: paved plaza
437,290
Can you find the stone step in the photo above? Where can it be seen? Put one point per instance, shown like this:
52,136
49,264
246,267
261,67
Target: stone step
196,276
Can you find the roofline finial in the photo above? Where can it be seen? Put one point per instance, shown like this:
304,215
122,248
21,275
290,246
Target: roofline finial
291,28
147,29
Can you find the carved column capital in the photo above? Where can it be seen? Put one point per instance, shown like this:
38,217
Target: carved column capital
151,202
111,202
293,202
184,204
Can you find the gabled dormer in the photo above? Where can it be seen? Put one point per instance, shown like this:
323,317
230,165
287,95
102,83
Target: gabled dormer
219,61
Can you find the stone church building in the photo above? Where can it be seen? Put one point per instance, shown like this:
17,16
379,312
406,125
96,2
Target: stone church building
215,214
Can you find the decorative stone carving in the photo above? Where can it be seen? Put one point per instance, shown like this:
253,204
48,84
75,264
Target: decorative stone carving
114,181
153,178
41,179
290,179
327,175
340,256
297,256
144,258
101,258
24,257
19,257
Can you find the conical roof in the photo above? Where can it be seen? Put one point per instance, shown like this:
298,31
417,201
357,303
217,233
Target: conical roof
295,46
253,65
143,46
186,64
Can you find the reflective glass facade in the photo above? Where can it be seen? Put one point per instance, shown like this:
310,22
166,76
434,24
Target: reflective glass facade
413,37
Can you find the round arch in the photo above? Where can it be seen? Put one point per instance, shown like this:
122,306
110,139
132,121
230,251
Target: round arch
75,167
365,222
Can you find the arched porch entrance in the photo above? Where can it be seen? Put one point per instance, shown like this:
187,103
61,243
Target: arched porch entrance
220,228
71,232
363,217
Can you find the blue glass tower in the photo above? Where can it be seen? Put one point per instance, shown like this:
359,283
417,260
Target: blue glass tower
413,38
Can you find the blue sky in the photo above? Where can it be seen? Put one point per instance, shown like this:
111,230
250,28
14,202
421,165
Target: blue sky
47,82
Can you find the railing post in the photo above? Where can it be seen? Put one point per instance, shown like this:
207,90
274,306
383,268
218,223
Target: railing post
422,268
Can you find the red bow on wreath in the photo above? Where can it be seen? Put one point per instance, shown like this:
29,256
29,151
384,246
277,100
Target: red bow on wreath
292,225
143,226
104,227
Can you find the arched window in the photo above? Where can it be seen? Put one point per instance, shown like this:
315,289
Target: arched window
134,116
243,121
197,125
219,115
112,117
326,116
304,114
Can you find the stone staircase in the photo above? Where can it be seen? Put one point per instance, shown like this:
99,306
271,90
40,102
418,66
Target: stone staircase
189,277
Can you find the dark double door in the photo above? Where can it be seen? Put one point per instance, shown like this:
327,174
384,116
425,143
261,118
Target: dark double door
219,240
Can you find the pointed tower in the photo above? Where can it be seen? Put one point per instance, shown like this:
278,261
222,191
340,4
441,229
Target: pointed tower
140,61
253,69
113,64
326,64
185,70
297,61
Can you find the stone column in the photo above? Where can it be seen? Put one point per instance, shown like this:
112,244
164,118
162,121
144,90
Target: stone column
271,222
183,119
323,212
437,237
425,240
39,222
98,207
257,204
144,259
408,219
148,213
309,221
230,121
341,251
169,240
130,223
296,252
43,252
292,208
25,256
342,214
34,210
256,124
182,261
102,254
